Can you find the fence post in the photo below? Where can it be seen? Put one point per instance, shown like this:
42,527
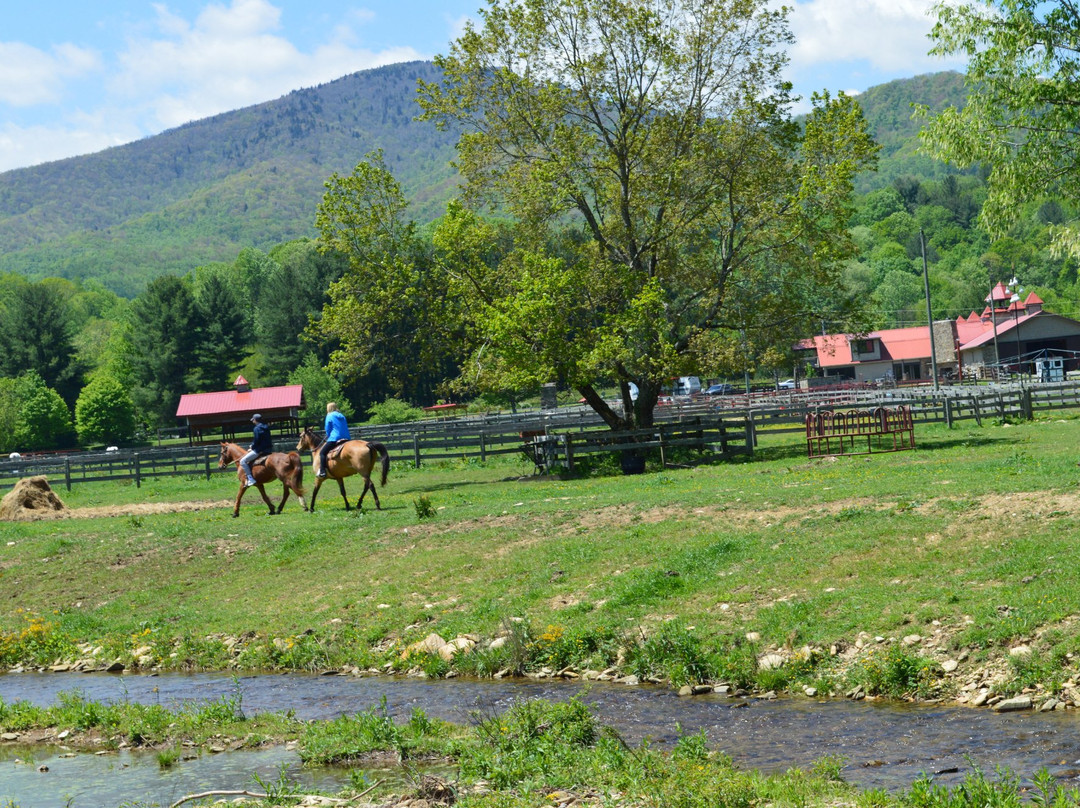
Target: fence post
483,448
1025,403
569,452
975,407
138,470
416,449
67,472
206,457
948,413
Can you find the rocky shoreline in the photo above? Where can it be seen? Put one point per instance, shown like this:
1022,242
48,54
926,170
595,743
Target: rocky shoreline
952,677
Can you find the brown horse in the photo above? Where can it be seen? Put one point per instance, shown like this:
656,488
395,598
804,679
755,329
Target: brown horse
278,465
352,457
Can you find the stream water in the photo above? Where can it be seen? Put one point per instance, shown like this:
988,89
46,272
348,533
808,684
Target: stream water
886,745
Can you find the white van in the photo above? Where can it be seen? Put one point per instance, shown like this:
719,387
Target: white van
686,386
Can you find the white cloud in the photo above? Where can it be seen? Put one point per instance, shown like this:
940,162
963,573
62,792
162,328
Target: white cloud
232,56
32,145
888,34
30,76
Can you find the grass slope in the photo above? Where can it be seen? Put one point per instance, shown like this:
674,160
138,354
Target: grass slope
967,542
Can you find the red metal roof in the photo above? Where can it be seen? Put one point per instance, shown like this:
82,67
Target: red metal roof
232,402
898,344
1002,328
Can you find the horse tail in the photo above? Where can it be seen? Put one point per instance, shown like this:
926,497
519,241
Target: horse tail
384,455
296,463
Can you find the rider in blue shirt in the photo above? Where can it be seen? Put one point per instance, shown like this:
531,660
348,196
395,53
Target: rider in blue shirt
262,444
337,431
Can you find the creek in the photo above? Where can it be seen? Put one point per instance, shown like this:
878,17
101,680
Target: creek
886,745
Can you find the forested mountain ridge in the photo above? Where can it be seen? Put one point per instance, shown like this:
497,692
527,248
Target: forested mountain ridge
889,111
204,191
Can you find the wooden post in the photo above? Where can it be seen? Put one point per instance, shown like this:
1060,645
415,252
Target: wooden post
1025,404
948,413
569,452
416,449
483,448
206,457
138,470
975,408
67,472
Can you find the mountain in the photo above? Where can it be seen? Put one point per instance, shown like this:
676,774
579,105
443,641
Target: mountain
889,112
253,177
203,191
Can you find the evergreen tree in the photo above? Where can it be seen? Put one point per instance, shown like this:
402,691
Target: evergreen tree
224,336
165,340
36,333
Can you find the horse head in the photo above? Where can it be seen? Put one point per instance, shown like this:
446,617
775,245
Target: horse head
223,458
307,440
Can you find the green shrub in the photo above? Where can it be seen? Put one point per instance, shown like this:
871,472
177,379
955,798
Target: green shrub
533,741
393,411
578,646
675,653
736,664
424,508
892,670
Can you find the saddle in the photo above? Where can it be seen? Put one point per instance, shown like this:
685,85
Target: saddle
260,459
335,449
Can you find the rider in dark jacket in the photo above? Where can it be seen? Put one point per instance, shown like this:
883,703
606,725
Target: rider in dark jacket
260,445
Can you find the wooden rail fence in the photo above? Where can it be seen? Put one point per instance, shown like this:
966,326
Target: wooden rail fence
728,425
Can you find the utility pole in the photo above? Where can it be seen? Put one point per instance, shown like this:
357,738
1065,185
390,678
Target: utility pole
929,312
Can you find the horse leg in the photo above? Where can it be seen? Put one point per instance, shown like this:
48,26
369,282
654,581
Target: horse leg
265,497
239,496
284,496
315,493
369,485
296,488
341,485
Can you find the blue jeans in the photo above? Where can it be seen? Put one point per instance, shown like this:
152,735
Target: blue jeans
245,463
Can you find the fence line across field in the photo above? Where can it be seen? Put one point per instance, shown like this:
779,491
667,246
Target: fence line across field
483,436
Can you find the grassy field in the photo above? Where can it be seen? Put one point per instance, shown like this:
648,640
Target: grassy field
968,542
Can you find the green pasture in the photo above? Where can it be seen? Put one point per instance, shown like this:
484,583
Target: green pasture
971,535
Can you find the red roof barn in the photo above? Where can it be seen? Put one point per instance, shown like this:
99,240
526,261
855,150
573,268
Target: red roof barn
231,410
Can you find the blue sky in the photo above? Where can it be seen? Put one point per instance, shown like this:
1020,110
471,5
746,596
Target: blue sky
77,76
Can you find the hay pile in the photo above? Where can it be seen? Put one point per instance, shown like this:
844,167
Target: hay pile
31,498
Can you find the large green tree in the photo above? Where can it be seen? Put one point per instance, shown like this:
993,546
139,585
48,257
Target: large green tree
1022,117
293,294
224,335
164,341
104,412
37,328
32,415
646,151
391,314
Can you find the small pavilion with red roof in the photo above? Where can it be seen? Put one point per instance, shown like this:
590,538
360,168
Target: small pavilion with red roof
230,411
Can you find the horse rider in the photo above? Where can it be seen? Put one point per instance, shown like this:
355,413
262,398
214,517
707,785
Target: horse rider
337,432
259,446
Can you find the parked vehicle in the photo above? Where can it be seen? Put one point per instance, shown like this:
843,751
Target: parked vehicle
720,390
786,384
686,386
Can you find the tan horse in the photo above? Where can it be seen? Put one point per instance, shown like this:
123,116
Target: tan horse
286,467
351,457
